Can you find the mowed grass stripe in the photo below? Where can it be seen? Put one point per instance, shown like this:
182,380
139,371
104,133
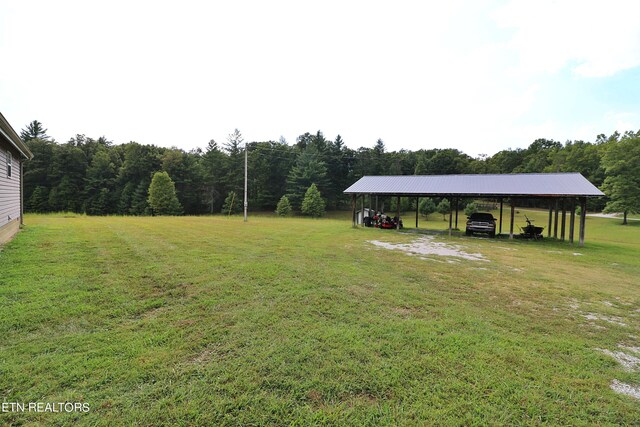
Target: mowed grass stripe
208,320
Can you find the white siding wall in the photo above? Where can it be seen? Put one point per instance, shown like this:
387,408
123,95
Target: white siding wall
9,187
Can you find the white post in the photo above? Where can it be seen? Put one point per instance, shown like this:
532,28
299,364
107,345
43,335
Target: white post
246,203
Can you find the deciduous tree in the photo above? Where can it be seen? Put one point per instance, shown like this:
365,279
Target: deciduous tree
622,183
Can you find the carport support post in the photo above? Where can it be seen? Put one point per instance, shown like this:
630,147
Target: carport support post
417,209
376,205
500,232
550,218
362,211
353,210
450,216
564,219
513,214
572,219
555,222
398,213
456,213
583,218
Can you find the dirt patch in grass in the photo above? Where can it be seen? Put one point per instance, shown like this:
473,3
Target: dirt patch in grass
574,306
152,312
626,389
403,311
609,319
626,355
630,348
427,245
361,399
208,354
627,361
315,398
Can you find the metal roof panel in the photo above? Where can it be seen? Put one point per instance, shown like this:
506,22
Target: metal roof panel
525,184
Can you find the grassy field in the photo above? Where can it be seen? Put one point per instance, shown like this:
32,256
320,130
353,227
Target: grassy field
211,321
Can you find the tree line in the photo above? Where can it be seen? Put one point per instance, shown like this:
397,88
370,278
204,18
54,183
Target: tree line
97,177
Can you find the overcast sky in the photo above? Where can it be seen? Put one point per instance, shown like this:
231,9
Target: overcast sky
477,76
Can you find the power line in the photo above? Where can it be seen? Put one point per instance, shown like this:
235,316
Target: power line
295,155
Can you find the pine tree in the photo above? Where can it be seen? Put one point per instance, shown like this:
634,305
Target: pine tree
139,162
126,195
102,203
186,173
338,169
232,204
313,204
99,184
53,202
140,199
443,208
405,204
213,161
309,169
162,195
66,178
39,200
69,195
427,206
284,207
34,130
234,167
36,171
470,209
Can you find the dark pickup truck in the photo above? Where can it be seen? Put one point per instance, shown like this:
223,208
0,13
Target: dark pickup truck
480,222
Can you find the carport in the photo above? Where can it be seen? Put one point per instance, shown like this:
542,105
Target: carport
564,191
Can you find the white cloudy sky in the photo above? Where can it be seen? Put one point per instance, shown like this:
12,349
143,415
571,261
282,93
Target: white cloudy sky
477,76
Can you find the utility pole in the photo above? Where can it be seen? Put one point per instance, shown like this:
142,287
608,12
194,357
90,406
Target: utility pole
246,203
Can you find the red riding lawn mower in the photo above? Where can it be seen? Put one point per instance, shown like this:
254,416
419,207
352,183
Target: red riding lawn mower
383,221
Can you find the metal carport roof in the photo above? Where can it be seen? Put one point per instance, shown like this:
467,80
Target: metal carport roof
490,185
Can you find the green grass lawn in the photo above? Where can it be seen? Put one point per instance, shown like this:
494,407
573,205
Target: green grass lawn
212,321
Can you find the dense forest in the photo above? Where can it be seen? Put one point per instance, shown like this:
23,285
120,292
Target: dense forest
98,177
